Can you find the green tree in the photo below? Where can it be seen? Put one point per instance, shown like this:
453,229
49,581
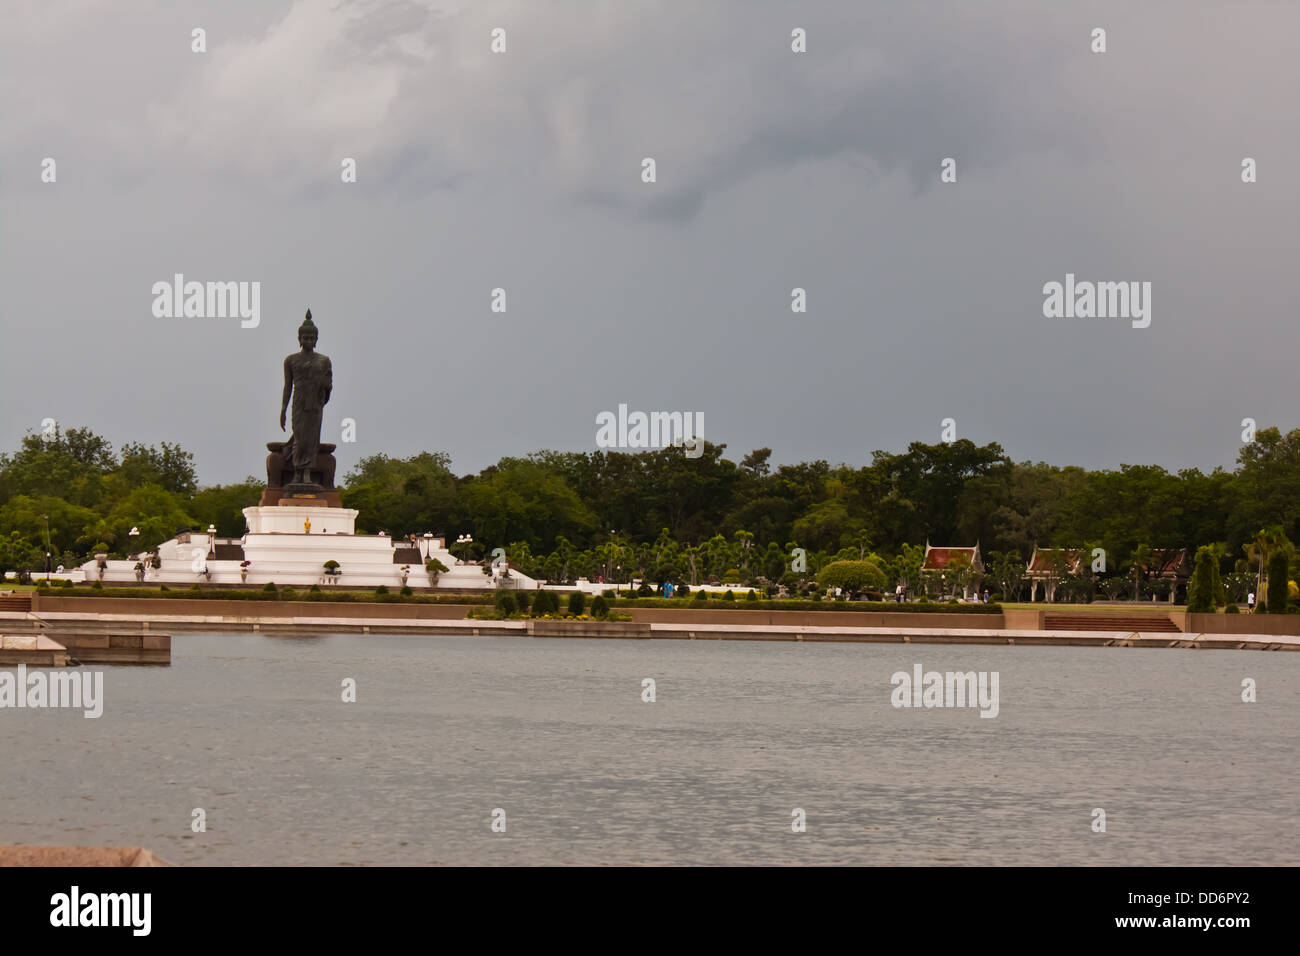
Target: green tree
1201,597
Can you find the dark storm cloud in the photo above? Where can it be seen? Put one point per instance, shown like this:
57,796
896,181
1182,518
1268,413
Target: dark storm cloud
775,170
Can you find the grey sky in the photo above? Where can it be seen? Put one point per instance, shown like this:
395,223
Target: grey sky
775,170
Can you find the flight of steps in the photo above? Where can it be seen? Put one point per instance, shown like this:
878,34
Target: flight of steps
14,602
1146,623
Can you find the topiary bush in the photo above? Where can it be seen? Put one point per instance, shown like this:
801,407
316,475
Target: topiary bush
382,589
270,587
599,606
852,576
407,591
505,604
522,600
752,596
728,595
545,602
577,603
1232,609
1200,591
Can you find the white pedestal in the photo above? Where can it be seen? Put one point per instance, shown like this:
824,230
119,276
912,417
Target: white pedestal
291,520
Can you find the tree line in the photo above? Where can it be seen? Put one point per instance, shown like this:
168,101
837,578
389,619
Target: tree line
659,515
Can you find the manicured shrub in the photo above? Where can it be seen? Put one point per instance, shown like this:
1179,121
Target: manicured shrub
732,576
852,576
752,596
407,591
627,594
1200,590
577,603
645,590
522,600
315,589
67,583
682,590
382,589
98,585
287,593
505,604
728,595
599,606
270,587
1232,609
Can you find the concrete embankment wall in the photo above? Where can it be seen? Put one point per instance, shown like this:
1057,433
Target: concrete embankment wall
1012,626
244,610
900,619
1279,624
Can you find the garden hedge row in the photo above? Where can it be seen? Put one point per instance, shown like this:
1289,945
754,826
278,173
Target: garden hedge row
341,597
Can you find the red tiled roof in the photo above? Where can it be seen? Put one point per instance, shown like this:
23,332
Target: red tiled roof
936,559
1167,562
1041,562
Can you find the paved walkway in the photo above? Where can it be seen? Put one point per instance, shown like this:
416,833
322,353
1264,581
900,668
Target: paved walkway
14,622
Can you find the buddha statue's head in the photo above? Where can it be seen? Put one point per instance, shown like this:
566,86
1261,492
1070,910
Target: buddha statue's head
307,333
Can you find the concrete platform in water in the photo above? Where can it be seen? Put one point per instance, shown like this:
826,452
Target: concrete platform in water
34,650
58,647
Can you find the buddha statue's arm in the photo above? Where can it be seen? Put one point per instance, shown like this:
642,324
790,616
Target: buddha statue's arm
288,389
328,382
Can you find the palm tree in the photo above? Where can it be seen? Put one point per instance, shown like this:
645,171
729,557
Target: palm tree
1266,541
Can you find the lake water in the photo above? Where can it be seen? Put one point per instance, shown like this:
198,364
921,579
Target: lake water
555,732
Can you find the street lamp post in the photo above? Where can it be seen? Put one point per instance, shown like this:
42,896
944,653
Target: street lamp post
47,546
